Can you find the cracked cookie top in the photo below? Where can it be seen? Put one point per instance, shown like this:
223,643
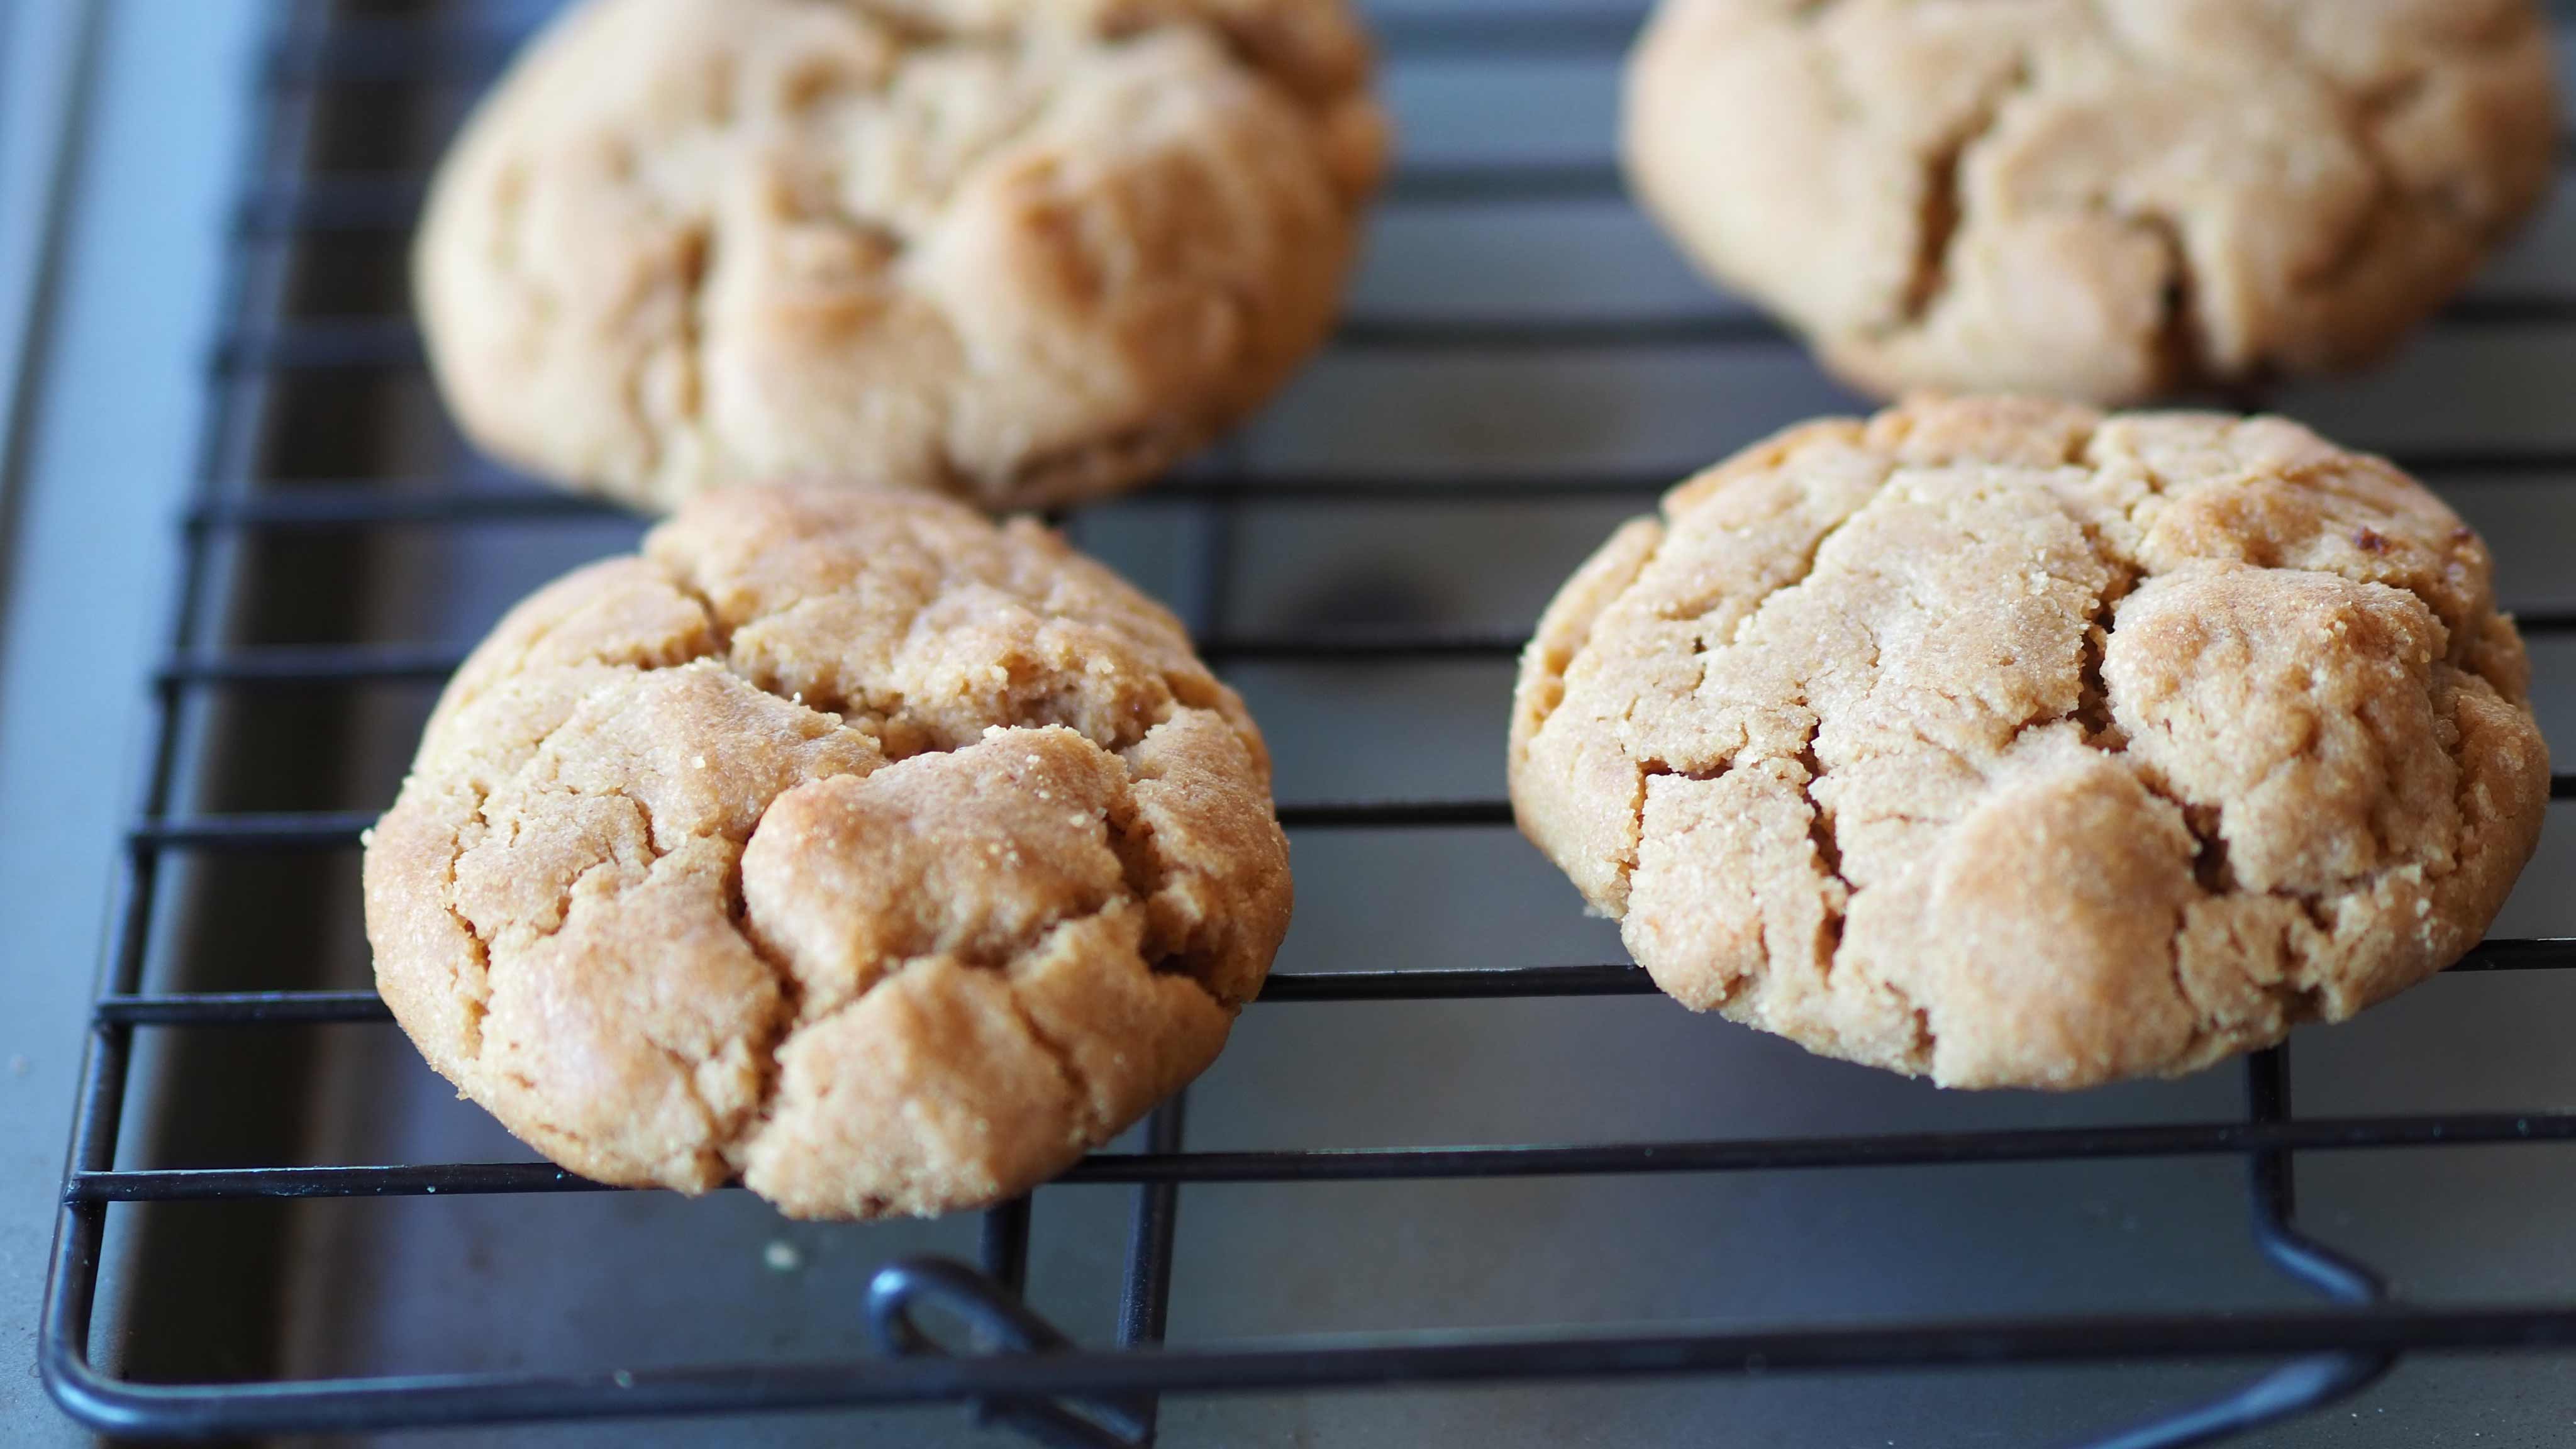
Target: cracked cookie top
2018,745
843,841
2097,199
1019,251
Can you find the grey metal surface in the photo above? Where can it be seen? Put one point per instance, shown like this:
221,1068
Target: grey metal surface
631,1279
43,60
115,393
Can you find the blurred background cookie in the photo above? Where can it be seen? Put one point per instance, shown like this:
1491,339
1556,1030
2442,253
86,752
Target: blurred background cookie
1019,251
2104,201
2010,744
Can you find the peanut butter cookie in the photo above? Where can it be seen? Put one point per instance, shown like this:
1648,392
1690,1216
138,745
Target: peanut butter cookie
2016,745
2097,199
843,841
1020,251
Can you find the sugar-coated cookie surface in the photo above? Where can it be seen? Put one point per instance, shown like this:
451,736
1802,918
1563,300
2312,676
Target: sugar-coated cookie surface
1018,251
2096,199
842,840
2014,744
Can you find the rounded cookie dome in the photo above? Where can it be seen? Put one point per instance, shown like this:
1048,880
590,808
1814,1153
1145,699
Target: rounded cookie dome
2013,744
2096,199
1019,251
844,841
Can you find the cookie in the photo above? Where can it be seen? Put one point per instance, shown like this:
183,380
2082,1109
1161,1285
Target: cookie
1019,251
2104,200
841,840
2016,745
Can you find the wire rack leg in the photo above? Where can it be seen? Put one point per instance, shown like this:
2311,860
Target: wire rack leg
996,1322
1146,1305
1004,1246
2311,1383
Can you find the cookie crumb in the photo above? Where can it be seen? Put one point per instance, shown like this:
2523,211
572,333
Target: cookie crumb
781,1256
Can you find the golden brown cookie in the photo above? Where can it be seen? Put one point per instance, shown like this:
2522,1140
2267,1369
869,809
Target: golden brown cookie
843,841
1019,251
2096,199
2017,745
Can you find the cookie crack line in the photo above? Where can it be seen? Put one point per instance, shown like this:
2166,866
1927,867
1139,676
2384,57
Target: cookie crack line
483,942
705,226
2358,110
1942,214
1137,832
471,1005
703,240
786,1017
1133,840
1705,650
873,715
2180,343
1077,1084
1822,840
787,1023
790,1023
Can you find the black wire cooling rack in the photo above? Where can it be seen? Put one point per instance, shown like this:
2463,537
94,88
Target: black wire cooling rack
1017,1369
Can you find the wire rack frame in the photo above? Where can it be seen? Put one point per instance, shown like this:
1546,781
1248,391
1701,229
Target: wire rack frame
1021,1371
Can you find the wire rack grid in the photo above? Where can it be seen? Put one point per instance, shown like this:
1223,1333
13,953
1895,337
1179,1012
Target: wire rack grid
1013,1366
